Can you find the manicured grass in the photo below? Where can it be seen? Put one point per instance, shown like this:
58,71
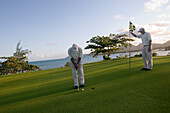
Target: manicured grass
117,90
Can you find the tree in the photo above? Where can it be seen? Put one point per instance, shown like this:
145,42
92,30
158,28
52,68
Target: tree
107,44
17,63
20,53
67,64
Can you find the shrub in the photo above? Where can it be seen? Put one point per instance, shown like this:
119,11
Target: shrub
67,64
121,57
154,54
138,55
106,57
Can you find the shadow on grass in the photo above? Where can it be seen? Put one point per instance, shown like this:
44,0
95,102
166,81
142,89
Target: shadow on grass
35,93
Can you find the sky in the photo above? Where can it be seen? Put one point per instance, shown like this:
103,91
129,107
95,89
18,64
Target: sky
49,27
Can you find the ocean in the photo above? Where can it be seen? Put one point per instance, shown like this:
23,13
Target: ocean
58,63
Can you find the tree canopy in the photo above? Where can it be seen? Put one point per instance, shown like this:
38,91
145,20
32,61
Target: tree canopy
106,45
17,63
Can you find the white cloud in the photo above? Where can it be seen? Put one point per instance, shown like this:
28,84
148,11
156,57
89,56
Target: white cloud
119,17
154,5
161,40
159,31
161,24
163,17
159,28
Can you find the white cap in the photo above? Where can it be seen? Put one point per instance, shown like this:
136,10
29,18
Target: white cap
141,29
74,47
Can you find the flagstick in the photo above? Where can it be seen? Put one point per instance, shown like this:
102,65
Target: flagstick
129,53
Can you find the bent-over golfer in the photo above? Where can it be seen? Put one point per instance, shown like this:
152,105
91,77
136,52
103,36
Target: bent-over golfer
76,54
147,48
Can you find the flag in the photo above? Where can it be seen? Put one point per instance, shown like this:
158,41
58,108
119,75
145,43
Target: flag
131,27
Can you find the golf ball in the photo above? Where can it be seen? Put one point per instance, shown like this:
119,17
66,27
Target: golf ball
82,89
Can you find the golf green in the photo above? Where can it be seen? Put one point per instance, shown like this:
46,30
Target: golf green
110,88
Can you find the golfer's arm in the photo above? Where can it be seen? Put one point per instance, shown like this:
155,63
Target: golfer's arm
134,34
150,42
79,59
72,60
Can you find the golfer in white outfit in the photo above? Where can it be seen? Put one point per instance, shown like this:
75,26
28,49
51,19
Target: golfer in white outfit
75,54
147,48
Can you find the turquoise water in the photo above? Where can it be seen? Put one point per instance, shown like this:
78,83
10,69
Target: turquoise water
57,63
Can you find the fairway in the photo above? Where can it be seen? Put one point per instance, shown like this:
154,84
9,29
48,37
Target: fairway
116,89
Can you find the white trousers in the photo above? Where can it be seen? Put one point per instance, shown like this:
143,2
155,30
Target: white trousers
147,58
80,72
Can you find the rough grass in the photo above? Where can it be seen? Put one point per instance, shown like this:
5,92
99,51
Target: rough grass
116,90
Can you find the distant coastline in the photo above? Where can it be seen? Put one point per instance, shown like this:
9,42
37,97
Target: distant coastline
138,48
87,58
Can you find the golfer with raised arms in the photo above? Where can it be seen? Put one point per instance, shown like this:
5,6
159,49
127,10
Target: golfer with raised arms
147,48
76,54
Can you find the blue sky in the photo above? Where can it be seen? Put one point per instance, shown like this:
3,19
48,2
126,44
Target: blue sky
50,27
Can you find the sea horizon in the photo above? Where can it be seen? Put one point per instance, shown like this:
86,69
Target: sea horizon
58,63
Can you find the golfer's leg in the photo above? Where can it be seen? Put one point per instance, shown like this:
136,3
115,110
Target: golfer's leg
149,56
81,74
147,60
144,57
75,77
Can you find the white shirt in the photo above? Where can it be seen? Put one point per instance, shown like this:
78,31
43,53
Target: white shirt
146,37
75,54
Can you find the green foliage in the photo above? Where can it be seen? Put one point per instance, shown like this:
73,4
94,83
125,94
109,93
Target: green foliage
138,55
67,64
106,57
20,53
107,45
154,54
168,54
122,57
17,63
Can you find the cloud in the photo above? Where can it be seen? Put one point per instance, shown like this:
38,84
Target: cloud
160,24
158,30
51,44
160,33
154,5
163,17
160,40
119,17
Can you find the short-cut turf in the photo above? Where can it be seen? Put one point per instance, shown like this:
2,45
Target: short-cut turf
116,89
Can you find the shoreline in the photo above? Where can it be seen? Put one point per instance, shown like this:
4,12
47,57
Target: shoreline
58,63
91,54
